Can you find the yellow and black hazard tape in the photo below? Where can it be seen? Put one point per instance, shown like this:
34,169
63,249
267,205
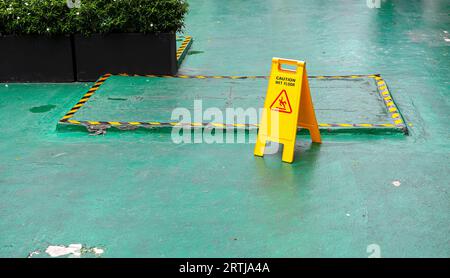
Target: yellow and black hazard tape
131,125
85,98
389,102
248,77
398,122
183,49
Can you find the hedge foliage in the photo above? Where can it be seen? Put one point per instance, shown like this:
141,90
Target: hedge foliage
54,17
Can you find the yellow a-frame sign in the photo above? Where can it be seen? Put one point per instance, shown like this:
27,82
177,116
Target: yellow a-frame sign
288,104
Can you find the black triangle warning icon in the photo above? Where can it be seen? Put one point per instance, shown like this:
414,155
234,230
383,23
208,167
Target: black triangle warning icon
281,103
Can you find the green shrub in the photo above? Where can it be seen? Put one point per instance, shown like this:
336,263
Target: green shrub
34,17
54,17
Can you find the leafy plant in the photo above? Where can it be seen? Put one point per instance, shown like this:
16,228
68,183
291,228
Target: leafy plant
54,17
34,17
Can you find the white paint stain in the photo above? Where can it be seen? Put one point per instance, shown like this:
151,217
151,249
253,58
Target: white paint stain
33,253
61,250
98,251
396,183
73,250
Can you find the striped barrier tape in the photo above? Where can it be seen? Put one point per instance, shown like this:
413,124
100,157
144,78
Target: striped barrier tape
85,98
183,49
389,103
210,125
246,77
398,122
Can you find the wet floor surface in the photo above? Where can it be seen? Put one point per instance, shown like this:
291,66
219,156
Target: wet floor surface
128,99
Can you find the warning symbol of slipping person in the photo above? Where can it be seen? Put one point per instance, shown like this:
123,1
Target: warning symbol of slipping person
288,105
281,103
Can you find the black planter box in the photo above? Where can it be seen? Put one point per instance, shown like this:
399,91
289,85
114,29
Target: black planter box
130,53
36,59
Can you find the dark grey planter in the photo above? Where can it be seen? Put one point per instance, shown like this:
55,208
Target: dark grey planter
130,53
36,59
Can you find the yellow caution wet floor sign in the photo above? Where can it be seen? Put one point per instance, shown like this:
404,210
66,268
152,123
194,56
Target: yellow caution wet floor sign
288,104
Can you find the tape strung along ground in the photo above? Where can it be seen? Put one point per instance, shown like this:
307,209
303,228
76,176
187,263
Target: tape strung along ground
394,123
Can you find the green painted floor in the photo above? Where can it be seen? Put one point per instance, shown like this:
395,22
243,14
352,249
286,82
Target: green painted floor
137,194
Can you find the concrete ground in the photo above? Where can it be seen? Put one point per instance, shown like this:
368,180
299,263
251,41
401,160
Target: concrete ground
137,194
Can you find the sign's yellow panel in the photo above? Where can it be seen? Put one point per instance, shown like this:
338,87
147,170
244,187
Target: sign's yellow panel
288,104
